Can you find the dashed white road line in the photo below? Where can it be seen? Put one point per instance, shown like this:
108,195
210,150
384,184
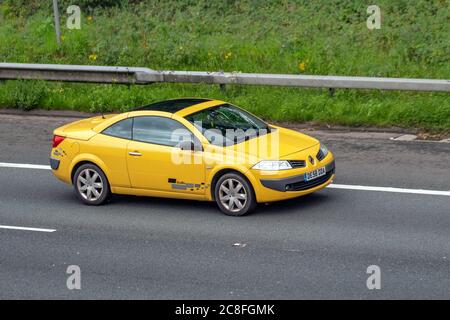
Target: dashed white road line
332,186
24,166
27,229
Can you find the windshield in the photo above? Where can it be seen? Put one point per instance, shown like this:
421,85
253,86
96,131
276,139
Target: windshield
227,124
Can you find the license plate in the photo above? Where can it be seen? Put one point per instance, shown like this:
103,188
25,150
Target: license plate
315,174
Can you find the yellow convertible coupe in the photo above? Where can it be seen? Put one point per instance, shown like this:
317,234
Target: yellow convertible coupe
195,149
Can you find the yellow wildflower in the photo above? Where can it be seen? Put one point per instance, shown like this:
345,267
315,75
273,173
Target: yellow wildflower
93,57
90,18
302,66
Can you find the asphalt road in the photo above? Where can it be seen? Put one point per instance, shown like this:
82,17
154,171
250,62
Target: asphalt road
314,247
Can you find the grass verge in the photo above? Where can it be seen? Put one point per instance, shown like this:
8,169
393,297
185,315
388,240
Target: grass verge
296,37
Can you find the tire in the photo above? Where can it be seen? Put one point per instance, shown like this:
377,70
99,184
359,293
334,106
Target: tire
91,185
240,200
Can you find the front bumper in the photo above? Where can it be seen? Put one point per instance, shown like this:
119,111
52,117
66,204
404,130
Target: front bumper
298,183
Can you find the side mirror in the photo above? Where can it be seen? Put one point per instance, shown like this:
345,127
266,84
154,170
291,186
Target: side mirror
190,146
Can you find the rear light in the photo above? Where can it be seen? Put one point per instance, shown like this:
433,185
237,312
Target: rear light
57,140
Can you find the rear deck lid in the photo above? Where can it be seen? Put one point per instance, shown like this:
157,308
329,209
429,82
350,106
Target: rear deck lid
81,129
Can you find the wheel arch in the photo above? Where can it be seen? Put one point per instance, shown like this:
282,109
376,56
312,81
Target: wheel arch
219,173
87,159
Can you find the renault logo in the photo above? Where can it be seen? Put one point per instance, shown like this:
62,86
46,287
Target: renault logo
311,160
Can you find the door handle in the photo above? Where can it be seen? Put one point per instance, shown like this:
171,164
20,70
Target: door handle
135,154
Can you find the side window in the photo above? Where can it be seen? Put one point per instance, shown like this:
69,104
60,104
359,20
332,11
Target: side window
121,129
160,130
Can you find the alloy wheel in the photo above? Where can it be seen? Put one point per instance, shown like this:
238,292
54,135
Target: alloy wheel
232,195
90,185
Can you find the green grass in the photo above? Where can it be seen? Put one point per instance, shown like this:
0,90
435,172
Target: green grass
326,37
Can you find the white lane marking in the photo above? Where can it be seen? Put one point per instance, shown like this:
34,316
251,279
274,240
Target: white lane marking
27,229
24,166
389,189
332,186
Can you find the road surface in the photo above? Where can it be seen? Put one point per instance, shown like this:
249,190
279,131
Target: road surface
315,247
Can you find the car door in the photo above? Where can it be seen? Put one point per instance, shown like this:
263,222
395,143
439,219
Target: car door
156,161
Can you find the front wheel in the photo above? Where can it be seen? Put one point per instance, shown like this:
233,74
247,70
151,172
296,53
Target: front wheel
234,195
91,185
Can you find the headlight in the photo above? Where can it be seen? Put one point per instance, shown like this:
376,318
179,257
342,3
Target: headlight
324,150
272,165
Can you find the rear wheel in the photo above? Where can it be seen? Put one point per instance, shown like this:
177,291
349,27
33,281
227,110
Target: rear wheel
234,195
91,185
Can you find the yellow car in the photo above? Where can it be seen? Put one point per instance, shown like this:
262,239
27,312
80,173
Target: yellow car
195,149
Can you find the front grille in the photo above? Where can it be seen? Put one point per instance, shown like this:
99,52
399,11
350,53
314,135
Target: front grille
305,185
320,156
297,163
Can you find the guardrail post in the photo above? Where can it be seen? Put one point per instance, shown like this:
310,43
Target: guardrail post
331,91
57,23
223,87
